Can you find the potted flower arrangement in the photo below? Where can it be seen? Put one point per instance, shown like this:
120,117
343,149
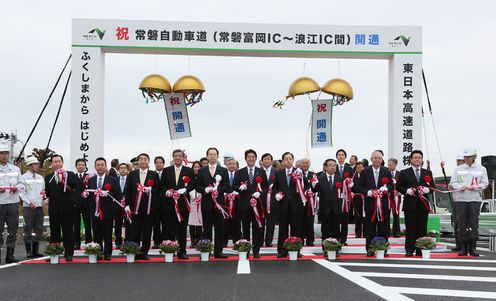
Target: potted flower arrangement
130,249
293,245
331,247
425,244
168,248
54,250
93,250
243,246
379,245
204,246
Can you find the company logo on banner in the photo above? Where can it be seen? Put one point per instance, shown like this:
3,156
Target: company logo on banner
321,123
177,116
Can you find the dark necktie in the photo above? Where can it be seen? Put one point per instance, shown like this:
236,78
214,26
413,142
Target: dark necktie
330,183
250,176
417,174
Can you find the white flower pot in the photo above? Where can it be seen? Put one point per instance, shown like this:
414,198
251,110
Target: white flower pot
379,254
54,259
293,255
169,257
331,255
92,258
242,255
130,258
204,256
426,254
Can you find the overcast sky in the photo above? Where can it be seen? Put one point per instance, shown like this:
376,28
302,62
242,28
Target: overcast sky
459,61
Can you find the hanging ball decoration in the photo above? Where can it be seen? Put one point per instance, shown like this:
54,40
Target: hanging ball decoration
301,86
339,89
153,87
192,88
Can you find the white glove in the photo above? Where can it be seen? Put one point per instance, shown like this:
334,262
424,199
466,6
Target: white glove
394,181
148,189
383,189
409,191
104,193
192,194
351,185
242,187
314,184
256,195
279,196
181,191
369,193
127,209
298,170
425,190
235,193
209,189
168,193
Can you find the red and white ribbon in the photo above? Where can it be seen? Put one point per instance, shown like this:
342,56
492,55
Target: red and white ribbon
419,191
258,216
217,206
198,200
230,197
377,196
269,198
298,178
311,202
141,189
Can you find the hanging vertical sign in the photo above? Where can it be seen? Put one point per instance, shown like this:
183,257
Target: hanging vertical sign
177,116
321,123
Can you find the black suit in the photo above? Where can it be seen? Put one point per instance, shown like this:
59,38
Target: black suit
396,217
358,209
113,173
367,182
309,218
61,210
102,224
346,216
330,211
245,210
173,227
270,217
81,208
142,222
159,221
119,217
290,210
416,214
211,216
233,224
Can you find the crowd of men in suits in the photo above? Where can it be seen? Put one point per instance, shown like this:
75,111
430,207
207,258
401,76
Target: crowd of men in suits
216,202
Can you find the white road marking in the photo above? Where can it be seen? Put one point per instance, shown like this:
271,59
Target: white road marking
416,266
428,276
20,262
442,292
367,284
244,267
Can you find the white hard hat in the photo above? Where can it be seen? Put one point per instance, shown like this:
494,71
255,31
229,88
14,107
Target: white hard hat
4,148
469,151
31,160
459,157
228,155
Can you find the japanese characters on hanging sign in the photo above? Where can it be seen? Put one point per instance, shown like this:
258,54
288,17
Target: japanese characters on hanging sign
177,116
321,123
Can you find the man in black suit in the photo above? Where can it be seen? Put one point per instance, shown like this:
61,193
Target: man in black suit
309,217
375,183
330,200
114,165
176,203
344,171
119,214
270,205
391,164
213,182
291,206
233,224
142,206
358,202
103,208
159,219
251,184
59,188
414,183
81,206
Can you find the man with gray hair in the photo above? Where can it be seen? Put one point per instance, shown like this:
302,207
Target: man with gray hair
10,176
375,183
468,181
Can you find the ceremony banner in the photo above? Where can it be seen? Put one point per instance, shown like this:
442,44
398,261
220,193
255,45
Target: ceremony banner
177,116
321,123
